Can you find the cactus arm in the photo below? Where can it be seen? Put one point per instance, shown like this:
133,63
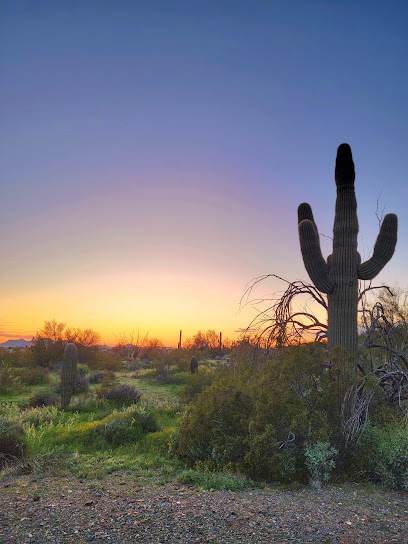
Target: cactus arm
314,262
305,212
383,250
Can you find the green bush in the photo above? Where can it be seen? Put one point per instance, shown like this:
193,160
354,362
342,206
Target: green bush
320,462
118,431
121,395
44,398
195,383
258,419
82,370
32,375
96,377
103,360
40,416
148,422
269,460
383,454
118,428
81,385
12,441
9,380
214,429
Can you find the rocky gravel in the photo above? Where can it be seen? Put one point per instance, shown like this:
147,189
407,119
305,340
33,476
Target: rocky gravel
121,509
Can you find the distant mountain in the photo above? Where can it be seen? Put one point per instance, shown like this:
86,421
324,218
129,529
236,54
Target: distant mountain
16,343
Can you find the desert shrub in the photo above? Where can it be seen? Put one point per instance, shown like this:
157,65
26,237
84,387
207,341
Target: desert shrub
214,429
32,375
259,418
9,380
177,378
162,374
296,402
169,377
320,462
136,364
195,383
156,443
12,441
96,377
47,353
148,422
122,395
104,360
81,385
108,378
267,459
383,454
9,357
44,398
147,373
38,416
118,432
82,370
179,358
117,429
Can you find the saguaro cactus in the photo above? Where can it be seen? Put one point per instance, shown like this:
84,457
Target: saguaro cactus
68,375
338,277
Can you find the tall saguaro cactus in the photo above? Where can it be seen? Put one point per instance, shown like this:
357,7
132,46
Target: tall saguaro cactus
338,277
68,376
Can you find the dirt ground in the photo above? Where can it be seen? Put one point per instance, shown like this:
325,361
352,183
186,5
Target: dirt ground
123,510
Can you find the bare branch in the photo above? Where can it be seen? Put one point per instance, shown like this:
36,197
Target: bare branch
279,324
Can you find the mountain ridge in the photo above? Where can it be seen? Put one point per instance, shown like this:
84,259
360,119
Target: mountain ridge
20,343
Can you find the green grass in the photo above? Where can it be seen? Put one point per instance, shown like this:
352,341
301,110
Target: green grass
215,480
67,441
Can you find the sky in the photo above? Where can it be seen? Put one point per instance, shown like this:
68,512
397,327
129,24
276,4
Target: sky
153,154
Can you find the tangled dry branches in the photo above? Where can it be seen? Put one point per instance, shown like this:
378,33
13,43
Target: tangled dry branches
280,324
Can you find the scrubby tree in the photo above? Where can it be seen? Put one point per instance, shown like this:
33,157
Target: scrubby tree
49,343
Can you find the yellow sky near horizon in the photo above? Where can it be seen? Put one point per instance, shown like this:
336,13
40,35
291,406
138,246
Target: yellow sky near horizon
116,303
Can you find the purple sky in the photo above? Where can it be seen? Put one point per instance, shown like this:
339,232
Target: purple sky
154,153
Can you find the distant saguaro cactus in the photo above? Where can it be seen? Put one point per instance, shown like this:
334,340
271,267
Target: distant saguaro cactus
193,364
68,375
338,277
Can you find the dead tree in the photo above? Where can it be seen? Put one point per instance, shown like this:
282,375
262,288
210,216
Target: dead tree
280,324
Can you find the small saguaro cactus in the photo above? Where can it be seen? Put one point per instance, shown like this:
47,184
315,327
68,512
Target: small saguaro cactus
338,277
68,375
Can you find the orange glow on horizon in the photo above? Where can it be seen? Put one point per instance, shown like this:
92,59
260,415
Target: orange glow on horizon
113,304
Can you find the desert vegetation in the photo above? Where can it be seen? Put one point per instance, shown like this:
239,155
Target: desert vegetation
252,414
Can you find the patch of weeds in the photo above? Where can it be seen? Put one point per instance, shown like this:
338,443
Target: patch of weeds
54,463
156,443
102,464
215,480
13,441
